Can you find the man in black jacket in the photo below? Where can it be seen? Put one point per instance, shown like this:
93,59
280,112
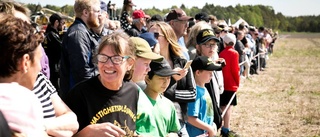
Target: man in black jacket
78,46
52,46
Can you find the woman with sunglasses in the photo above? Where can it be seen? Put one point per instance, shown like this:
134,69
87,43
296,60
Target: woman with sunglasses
181,89
106,104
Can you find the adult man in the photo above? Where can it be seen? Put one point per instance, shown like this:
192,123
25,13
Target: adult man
102,29
78,46
231,79
178,20
138,22
52,46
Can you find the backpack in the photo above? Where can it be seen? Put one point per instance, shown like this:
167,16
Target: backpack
216,109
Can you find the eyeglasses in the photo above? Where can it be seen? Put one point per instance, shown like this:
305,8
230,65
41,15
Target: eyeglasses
209,45
117,60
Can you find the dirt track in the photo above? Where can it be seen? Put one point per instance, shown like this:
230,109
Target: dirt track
284,100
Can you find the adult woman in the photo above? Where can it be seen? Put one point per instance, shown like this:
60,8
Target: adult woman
181,89
20,55
108,101
125,18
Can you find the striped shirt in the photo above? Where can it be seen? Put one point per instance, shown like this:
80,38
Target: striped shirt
43,89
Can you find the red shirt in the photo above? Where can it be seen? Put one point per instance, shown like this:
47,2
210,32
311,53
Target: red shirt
231,76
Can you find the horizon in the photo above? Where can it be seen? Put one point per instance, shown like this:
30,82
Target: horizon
294,9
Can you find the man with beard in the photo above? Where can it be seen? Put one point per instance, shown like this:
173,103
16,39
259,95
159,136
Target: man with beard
78,46
52,46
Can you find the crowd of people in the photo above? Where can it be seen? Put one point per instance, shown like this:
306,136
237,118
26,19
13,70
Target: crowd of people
159,76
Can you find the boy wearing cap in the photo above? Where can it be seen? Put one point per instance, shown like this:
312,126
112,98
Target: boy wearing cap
231,79
156,114
200,112
144,56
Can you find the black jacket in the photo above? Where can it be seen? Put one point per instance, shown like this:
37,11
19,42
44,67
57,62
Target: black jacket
52,46
78,49
184,90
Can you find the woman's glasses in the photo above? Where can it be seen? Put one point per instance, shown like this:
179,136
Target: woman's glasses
157,35
114,59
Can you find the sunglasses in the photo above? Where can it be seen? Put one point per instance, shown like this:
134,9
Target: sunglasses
157,35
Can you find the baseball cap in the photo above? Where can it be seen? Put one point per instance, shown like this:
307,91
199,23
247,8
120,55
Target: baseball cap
103,6
54,17
204,63
178,14
128,2
143,49
139,14
161,68
205,35
202,16
156,17
229,37
149,37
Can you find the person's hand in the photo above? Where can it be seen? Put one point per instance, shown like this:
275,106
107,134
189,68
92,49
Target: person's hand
220,61
106,129
182,72
172,135
212,132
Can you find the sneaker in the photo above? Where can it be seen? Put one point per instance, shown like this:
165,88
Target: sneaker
230,134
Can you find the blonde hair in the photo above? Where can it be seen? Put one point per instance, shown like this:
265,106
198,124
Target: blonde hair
81,5
11,6
192,41
171,37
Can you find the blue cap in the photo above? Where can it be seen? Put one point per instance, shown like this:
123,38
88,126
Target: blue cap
149,37
103,6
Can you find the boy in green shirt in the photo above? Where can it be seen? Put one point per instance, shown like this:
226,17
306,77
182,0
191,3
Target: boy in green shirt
156,115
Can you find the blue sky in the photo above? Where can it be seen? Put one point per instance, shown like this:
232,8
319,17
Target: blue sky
286,7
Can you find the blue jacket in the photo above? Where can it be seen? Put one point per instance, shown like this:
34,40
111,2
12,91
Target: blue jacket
78,49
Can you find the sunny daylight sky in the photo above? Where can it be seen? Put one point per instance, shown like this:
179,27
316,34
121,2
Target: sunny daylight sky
286,7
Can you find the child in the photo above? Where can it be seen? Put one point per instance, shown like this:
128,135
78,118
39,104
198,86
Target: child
156,114
200,112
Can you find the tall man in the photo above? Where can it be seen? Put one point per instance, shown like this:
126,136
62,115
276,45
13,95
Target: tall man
78,45
52,46
178,20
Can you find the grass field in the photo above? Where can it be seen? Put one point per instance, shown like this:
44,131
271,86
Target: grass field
284,100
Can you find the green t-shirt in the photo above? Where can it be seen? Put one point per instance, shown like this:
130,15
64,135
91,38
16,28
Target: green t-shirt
156,118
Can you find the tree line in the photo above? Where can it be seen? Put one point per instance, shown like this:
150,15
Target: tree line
257,15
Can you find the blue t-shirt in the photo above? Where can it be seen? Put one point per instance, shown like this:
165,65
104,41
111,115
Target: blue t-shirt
183,47
202,109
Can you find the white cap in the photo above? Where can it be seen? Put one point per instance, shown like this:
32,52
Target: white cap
229,38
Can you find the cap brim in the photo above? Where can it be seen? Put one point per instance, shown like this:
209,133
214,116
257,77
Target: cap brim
131,4
209,38
151,56
213,66
185,18
166,73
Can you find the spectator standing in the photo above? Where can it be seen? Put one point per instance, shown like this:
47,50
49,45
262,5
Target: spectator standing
144,56
157,116
52,46
19,11
207,46
20,55
181,89
239,47
108,101
78,46
178,20
138,22
231,82
200,112
126,19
